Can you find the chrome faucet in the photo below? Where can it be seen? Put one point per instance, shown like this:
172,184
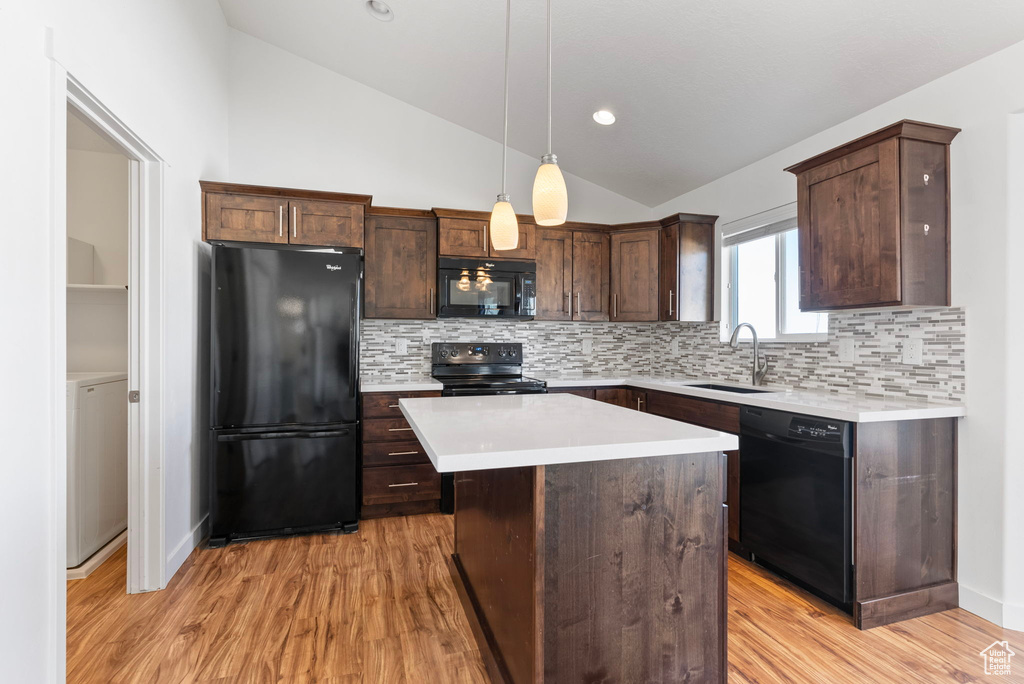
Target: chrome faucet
760,369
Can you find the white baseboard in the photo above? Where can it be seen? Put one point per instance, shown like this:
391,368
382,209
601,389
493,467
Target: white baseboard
981,605
1013,616
96,560
180,553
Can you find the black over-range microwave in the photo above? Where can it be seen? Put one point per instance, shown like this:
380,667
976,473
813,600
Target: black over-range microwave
485,288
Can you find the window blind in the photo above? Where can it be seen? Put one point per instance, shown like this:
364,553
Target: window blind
770,222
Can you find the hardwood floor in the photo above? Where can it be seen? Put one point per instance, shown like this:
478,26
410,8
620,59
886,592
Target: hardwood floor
379,606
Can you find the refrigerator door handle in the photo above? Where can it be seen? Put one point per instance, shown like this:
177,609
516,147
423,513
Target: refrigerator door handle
353,347
242,437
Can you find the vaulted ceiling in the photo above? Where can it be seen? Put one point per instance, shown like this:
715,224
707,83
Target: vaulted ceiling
700,89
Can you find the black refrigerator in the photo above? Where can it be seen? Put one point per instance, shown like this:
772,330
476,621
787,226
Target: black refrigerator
284,367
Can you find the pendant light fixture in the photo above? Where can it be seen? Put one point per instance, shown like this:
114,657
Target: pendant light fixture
550,199
504,227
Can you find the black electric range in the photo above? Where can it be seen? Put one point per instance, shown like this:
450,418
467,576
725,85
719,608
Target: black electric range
473,369
481,368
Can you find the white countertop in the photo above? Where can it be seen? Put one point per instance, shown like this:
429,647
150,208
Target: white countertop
398,383
850,407
508,431
853,408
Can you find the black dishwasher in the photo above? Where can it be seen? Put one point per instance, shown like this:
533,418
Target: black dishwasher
795,499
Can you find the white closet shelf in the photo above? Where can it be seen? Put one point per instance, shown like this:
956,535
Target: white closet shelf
81,287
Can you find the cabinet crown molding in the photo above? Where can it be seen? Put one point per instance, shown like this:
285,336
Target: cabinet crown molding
296,193
914,130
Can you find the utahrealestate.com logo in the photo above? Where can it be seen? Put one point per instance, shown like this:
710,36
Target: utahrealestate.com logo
997,658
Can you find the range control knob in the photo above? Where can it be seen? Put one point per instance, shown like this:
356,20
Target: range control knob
444,353
512,351
455,352
502,352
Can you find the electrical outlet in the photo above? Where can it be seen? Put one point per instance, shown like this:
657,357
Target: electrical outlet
846,350
674,347
587,346
913,351
401,346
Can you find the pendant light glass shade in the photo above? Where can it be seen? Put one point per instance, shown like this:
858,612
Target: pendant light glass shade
550,199
504,227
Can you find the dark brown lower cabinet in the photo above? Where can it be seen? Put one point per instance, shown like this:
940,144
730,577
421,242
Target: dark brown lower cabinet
623,396
904,520
397,476
585,392
612,571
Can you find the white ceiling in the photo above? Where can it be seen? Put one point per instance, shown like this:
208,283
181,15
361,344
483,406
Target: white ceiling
700,89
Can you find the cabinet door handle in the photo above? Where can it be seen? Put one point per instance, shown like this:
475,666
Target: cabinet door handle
399,429
431,301
403,453
485,238
295,222
579,310
639,403
280,221
670,312
404,484
615,305
392,405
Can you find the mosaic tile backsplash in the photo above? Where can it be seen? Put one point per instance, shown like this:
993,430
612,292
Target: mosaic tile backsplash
641,348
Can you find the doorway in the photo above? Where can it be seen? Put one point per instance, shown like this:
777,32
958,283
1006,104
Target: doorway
98,340
117,316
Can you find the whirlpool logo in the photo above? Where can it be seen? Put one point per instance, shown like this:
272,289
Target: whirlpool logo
332,267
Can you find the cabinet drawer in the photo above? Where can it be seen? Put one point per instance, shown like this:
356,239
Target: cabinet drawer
387,430
385,405
401,483
709,414
393,454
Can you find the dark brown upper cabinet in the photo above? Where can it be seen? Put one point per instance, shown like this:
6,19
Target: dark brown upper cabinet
591,256
687,272
255,213
401,263
554,275
634,275
467,234
874,220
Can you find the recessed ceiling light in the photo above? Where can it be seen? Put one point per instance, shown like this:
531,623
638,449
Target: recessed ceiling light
604,117
379,10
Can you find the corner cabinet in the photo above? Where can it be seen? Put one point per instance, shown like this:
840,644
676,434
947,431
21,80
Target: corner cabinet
634,275
467,234
687,271
255,213
874,220
401,264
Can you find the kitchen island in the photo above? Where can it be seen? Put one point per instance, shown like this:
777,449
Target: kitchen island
589,539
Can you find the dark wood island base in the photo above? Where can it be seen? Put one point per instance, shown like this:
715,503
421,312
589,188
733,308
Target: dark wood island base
606,571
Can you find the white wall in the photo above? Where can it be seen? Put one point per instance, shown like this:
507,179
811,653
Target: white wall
97,330
97,205
296,124
159,66
985,257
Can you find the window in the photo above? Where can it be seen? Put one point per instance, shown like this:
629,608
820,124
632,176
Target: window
763,284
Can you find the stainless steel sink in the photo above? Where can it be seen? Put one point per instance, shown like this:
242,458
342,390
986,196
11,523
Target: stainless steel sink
731,388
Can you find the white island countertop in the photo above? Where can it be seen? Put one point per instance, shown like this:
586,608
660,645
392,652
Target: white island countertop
508,431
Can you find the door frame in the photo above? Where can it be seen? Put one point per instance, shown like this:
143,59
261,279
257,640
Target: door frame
146,566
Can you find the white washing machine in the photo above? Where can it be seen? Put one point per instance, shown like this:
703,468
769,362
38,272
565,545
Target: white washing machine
97,461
